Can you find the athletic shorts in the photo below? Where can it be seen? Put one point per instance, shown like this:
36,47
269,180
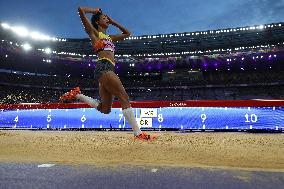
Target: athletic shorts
103,66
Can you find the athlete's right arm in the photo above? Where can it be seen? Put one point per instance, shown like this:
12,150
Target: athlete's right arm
91,31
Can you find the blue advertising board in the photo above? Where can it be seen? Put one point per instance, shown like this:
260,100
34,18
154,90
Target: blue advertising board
271,118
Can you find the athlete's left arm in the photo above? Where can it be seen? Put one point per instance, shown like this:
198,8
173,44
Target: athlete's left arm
119,37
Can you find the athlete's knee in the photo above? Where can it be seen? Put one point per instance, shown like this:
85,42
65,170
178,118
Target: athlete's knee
105,110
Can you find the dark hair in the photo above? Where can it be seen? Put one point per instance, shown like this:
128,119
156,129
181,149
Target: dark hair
95,18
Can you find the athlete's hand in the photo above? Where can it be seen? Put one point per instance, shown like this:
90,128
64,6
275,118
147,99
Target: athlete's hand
97,10
110,20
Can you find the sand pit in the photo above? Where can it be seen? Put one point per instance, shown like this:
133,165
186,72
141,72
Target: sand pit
226,150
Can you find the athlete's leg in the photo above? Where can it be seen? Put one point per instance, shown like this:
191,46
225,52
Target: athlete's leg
88,100
113,85
106,100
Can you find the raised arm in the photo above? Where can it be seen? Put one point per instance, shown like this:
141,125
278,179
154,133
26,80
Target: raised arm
91,31
119,37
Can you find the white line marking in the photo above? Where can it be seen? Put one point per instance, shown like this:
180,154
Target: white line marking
46,165
136,113
154,170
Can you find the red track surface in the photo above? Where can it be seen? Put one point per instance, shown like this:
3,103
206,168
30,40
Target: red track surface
155,104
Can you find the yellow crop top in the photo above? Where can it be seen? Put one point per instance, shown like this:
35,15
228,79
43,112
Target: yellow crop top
104,43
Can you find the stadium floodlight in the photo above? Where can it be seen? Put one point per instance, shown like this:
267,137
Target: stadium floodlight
47,50
20,31
35,35
5,26
27,46
38,36
45,37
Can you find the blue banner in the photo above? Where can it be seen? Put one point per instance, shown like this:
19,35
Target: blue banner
271,118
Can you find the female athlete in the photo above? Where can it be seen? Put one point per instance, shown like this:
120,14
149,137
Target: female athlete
109,83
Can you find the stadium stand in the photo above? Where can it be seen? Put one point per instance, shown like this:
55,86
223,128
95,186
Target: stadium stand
236,63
